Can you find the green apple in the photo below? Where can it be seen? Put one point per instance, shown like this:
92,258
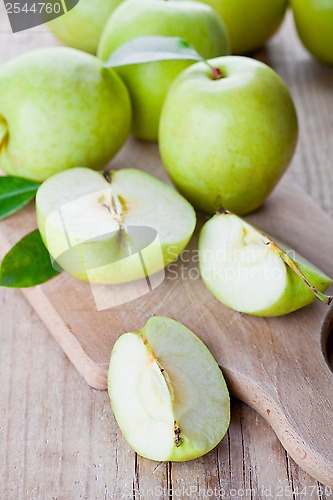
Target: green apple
167,392
148,83
314,23
249,272
82,26
250,22
59,108
226,140
112,229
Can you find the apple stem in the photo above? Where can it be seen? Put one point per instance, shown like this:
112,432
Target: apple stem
327,299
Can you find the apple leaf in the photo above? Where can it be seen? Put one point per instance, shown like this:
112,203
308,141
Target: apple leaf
15,193
152,48
27,264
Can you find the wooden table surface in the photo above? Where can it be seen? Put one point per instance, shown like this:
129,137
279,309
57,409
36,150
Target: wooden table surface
58,437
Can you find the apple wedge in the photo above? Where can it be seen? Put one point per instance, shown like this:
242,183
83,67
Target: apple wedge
167,392
116,228
250,273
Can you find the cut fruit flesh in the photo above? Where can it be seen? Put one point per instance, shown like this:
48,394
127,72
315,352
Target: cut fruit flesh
167,392
248,272
95,229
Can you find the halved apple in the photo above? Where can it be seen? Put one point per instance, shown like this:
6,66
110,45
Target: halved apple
111,229
250,273
167,392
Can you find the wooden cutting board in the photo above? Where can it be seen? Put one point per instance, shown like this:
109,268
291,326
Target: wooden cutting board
278,366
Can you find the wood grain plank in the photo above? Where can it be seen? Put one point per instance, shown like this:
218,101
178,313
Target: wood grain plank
53,468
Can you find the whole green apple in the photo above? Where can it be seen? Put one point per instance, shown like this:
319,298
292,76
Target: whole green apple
250,22
148,83
59,108
82,26
226,141
314,23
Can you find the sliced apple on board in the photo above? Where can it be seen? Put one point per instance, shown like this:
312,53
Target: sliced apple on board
249,272
167,392
116,228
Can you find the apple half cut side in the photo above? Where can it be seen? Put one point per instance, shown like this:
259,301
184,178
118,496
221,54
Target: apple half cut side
167,392
90,119
250,273
114,228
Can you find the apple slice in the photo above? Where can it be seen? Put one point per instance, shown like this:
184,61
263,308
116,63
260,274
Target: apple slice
250,273
167,392
111,229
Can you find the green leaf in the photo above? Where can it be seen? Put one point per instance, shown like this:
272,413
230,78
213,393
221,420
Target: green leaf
152,48
15,193
27,264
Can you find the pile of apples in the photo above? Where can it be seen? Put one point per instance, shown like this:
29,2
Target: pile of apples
227,130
